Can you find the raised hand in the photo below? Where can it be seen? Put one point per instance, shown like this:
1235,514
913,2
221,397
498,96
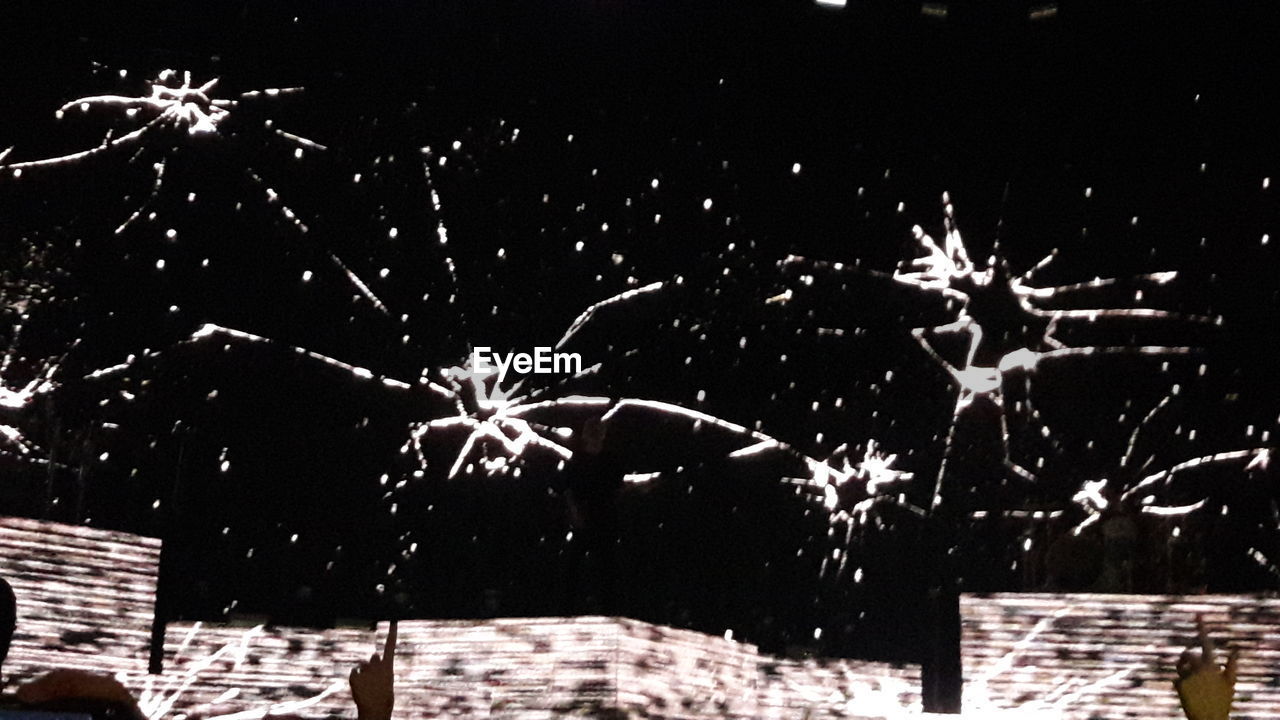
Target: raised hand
373,682
1205,688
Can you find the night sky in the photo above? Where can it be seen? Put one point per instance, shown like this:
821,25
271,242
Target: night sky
571,151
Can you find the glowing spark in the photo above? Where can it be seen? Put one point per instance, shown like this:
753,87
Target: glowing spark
946,270
192,111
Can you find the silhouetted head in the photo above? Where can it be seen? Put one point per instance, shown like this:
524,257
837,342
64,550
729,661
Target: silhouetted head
8,618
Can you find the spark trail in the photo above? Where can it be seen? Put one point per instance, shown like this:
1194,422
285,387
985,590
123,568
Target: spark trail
1006,324
172,110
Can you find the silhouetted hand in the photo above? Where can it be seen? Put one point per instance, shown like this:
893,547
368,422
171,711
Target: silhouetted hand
373,682
1205,688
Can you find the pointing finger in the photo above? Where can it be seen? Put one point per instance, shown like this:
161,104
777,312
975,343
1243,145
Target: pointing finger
1206,642
389,651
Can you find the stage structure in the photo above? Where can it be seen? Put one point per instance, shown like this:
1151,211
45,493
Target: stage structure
86,599
1111,656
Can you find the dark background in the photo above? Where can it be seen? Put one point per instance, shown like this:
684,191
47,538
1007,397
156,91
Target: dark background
879,104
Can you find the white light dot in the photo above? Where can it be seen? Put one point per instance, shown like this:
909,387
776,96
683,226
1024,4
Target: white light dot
306,276
384,272
654,183
706,204
578,246
795,169
393,232
160,264
457,144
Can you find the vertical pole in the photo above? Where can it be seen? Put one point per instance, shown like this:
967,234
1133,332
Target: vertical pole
160,615
941,673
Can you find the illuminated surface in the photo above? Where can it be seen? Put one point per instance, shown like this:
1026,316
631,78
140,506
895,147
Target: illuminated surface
533,667
1083,656
1026,655
86,597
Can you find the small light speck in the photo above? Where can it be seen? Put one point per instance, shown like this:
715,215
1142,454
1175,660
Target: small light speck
160,264
795,169
706,204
